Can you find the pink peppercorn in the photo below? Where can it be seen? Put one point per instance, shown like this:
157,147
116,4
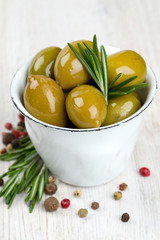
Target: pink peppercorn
3,133
23,133
65,203
145,172
21,117
16,134
8,126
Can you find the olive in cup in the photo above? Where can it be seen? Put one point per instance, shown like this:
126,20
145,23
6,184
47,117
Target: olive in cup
121,108
43,62
45,100
68,70
86,107
129,63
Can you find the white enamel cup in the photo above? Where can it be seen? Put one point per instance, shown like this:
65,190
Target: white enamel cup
84,157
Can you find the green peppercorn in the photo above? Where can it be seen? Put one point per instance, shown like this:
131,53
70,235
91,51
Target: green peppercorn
117,195
82,213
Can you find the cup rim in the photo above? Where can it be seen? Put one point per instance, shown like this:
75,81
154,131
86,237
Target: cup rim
19,105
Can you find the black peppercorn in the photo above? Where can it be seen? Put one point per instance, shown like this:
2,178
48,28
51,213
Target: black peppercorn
15,143
125,217
7,138
51,188
95,205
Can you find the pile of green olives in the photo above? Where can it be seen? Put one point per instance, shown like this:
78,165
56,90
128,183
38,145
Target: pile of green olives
60,92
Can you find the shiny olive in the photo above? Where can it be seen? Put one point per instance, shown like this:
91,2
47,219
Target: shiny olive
45,100
86,107
129,63
122,107
68,70
43,62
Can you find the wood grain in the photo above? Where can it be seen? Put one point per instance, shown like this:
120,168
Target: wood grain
27,26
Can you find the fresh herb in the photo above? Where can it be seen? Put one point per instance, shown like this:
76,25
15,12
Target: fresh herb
97,67
28,173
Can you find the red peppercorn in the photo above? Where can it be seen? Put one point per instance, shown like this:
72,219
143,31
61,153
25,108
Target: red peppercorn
23,133
65,203
21,117
145,172
8,126
3,133
16,134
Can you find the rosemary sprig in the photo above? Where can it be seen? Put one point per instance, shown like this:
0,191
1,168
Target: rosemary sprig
98,69
28,173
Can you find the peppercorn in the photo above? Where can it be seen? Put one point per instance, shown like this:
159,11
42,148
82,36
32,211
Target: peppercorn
16,134
19,129
145,172
50,188
51,179
78,193
82,213
125,217
123,186
117,195
95,205
51,204
1,182
8,126
21,117
21,124
7,138
4,150
9,146
15,143
65,203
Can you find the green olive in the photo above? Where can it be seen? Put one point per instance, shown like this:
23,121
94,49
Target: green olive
86,107
129,63
43,62
121,108
68,70
45,100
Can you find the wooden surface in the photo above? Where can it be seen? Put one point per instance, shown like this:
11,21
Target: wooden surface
26,27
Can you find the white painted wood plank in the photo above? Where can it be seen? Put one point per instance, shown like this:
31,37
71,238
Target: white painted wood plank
26,27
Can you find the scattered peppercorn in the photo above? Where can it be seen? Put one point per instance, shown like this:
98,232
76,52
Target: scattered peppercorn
95,205
78,193
21,117
21,124
82,213
50,188
9,146
1,182
145,172
51,204
15,143
8,126
123,186
51,179
125,217
7,138
117,195
19,129
16,134
23,133
4,150
65,203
